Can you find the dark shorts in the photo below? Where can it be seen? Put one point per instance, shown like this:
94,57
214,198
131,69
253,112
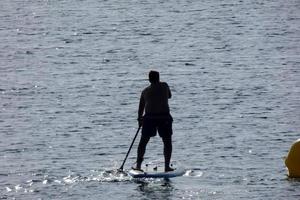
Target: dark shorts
157,123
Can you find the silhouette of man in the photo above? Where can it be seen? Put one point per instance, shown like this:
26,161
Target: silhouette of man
154,105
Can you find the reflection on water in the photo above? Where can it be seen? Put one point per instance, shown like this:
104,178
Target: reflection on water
156,189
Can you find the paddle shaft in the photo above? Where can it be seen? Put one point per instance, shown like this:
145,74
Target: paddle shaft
121,168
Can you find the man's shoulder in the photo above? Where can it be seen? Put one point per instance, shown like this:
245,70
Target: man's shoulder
164,84
146,89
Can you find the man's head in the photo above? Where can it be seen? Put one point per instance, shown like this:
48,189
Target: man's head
154,77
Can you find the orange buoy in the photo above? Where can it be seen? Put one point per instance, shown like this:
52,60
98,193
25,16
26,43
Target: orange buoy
292,160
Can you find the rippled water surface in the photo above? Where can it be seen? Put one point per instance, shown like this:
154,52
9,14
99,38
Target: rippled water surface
71,73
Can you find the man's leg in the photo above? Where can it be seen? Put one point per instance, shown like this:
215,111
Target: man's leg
167,152
141,150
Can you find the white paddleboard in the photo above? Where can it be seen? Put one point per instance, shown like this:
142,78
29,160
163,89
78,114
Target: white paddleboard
156,170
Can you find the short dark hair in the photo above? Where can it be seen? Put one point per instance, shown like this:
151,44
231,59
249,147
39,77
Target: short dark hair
153,76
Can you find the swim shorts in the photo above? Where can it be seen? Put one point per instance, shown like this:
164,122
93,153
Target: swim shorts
161,123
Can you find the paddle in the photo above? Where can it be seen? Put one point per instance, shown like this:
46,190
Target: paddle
121,168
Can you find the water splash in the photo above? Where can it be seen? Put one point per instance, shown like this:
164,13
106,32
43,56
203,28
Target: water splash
71,179
193,173
109,176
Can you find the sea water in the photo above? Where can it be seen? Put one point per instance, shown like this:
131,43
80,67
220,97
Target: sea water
71,73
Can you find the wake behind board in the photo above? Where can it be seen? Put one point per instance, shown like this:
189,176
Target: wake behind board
156,170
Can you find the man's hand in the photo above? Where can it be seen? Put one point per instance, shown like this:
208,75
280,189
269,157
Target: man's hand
140,121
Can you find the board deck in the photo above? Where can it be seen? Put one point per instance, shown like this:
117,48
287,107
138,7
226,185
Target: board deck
156,171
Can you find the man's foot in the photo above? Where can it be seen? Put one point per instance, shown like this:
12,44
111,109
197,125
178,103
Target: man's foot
137,169
169,169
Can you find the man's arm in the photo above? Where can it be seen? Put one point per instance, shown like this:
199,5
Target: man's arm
141,107
170,94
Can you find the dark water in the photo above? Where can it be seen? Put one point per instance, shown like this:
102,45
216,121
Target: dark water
72,73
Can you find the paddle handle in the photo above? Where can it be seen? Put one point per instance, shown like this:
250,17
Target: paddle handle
121,168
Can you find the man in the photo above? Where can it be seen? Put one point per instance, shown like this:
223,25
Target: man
154,105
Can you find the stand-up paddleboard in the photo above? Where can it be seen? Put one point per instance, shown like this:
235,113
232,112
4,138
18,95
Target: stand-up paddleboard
156,170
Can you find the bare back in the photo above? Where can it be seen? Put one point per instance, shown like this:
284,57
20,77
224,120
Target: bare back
155,98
